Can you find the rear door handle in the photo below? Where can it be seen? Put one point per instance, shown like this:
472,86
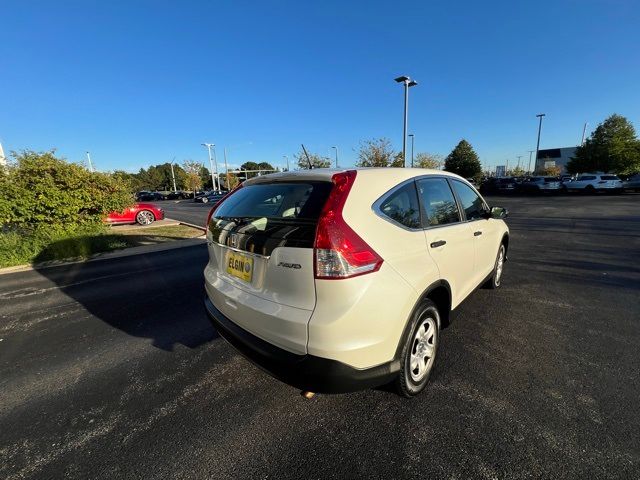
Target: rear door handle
437,244
477,234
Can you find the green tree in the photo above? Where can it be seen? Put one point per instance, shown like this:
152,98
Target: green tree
265,166
612,147
427,160
516,172
193,171
255,166
463,160
378,152
317,161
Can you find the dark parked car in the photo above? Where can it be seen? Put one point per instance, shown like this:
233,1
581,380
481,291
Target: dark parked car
499,185
632,183
213,197
179,195
145,196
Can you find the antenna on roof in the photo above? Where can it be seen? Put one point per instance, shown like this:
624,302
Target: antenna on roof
307,155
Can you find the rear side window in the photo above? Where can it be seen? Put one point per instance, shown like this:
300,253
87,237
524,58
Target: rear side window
438,202
472,204
402,206
609,177
550,179
276,201
587,177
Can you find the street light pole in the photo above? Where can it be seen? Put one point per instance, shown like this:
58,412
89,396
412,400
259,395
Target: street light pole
286,157
412,137
529,166
336,148
519,157
407,82
584,131
90,164
540,115
173,176
226,167
213,180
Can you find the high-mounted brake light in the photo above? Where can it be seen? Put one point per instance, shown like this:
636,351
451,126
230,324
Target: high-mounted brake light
215,207
339,252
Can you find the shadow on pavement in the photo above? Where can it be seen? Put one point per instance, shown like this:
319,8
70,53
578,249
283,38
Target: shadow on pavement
155,295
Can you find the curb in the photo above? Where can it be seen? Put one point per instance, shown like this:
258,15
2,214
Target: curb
197,227
127,252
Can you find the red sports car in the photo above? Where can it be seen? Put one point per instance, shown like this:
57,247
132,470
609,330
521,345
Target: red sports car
142,213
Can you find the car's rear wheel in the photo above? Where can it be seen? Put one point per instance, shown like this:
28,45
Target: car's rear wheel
145,217
496,276
419,351
590,189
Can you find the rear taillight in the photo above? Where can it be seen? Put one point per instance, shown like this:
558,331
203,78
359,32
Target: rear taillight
339,252
215,207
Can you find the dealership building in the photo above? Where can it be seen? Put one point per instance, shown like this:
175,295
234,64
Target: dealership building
554,157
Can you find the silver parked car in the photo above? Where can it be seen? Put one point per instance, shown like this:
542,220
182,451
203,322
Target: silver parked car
541,185
595,182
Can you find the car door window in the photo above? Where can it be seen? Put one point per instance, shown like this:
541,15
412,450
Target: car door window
438,203
473,206
402,206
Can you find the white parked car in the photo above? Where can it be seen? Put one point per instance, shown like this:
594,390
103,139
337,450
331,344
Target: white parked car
595,182
338,280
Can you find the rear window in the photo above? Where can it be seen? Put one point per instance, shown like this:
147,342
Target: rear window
283,201
550,179
609,177
260,218
587,177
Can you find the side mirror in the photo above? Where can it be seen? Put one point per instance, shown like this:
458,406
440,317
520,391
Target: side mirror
499,212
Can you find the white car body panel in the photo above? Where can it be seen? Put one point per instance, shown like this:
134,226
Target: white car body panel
358,321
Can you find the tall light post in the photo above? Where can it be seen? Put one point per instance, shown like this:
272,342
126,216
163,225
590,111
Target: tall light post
519,157
90,164
529,166
336,149
226,167
407,82
213,178
173,176
286,157
584,131
412,137
540,115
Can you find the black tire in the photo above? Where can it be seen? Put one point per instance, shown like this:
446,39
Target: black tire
411,381
589,189
496,276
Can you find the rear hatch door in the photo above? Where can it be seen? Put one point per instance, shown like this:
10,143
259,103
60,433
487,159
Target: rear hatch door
260,270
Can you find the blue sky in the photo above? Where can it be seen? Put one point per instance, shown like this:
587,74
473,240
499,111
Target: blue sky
142,82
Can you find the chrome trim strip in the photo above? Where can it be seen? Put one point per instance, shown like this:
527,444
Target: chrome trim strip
267,257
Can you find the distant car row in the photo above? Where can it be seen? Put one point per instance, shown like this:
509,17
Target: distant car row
585,183
202,197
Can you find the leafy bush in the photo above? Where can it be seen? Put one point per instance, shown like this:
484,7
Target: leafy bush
52,209
40,188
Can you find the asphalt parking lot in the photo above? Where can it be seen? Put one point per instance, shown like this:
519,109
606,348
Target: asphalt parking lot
111,370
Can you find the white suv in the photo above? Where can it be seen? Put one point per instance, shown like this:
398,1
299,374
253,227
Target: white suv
337,280
595,182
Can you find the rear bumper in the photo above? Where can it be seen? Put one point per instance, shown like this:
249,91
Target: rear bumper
306,372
